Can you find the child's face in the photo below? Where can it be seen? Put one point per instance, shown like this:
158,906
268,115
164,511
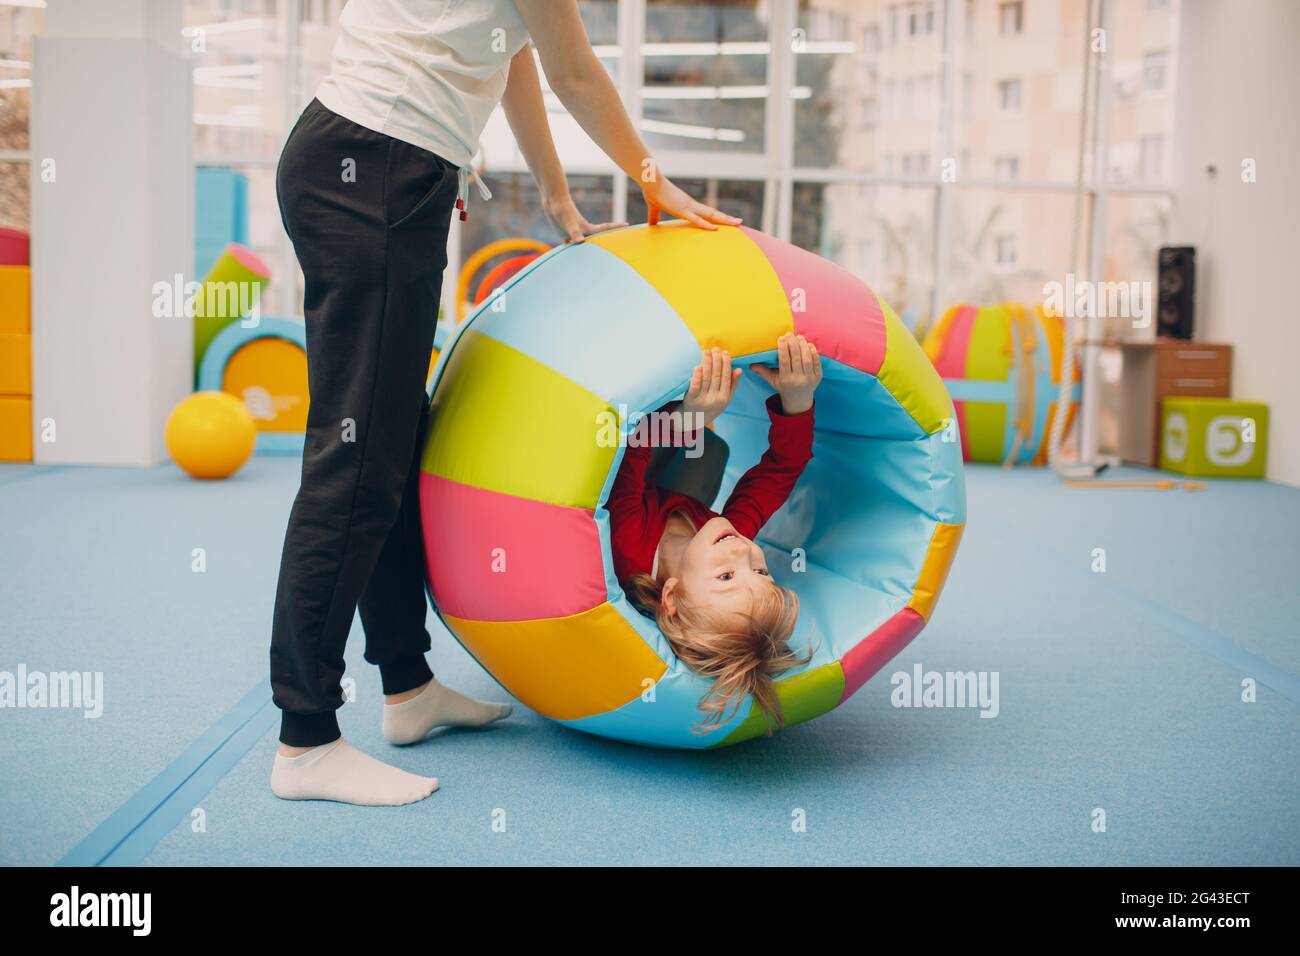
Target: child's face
722,569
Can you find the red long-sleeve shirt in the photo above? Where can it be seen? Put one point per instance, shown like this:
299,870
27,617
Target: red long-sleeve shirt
639,510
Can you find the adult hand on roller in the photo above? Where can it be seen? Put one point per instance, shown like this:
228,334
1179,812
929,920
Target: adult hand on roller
661,195
577,77
564,213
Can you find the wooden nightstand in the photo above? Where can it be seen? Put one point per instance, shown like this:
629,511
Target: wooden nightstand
1153,370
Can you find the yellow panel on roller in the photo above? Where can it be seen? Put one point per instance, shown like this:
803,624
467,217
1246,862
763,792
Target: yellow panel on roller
910,377
564,668
691,267
934,570
270,376
503,421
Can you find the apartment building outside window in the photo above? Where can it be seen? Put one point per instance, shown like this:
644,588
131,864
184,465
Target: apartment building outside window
1155,65
1004,250
1151,157
1011,17
920,19
1009,95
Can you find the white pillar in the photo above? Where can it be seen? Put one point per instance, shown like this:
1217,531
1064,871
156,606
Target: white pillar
112,214
1090,401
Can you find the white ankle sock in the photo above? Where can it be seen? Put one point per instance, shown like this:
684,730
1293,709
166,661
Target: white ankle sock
437,706
338,771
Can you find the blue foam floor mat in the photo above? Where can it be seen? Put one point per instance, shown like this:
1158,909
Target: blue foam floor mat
1120,690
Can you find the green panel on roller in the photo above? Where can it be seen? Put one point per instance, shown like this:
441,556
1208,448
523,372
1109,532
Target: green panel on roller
986,430
802,697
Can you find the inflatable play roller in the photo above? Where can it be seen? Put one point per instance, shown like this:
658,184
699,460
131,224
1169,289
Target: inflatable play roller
1002,366
516,468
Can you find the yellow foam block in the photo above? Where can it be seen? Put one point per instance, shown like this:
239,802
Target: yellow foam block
934,570
910,377
15,298
687,267
15,363
15,429
564,668
503,421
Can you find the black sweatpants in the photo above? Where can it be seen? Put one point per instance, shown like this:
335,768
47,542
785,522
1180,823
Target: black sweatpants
368,217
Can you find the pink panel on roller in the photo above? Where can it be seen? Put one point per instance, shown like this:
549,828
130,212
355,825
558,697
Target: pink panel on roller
842,316
553,565
878,648
959,409
951,360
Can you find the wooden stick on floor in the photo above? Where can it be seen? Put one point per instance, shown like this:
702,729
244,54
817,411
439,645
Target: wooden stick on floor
1163,484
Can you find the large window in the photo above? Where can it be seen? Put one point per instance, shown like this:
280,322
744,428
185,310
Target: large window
897,249
705,67
18,25
244,94
930,146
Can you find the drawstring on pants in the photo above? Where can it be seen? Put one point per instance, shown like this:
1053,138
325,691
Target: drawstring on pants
463,175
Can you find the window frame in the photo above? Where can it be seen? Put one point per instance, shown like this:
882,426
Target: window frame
775,166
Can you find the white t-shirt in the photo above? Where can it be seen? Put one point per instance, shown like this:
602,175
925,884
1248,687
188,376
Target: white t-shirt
427,72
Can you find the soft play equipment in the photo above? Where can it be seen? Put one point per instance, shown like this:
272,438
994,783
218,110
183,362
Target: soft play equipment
1214,437
481,257
519,458
220,213
493,278
210,434
1002,366
265,367
15,247
15,347
499,273
236,280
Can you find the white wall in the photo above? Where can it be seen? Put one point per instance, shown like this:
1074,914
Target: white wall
1238,87
112,214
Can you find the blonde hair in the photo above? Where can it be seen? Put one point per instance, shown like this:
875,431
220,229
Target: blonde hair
741,661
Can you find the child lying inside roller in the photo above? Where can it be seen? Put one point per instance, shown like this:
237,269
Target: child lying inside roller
698,573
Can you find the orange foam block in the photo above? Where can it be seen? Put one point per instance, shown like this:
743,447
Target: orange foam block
15,299
15,363
15,429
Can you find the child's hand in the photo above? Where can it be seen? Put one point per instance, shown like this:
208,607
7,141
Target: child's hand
713,382
798,373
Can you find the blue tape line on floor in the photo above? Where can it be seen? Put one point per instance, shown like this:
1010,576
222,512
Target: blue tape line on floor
1202,637
135,828
1216,645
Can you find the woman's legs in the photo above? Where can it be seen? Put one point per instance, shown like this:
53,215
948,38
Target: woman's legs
368,216
393,605
393,609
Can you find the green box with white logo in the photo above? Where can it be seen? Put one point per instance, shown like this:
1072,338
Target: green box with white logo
1214,437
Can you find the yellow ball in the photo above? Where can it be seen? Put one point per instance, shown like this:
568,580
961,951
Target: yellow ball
211,434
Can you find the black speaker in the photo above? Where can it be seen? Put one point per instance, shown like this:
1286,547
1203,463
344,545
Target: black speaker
1176,291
